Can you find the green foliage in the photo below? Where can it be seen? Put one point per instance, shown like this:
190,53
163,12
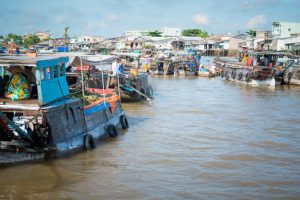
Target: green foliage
195,33
154,33
17,39
1,37
31,40
251,33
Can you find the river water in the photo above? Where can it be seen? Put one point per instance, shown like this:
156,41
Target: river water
201,138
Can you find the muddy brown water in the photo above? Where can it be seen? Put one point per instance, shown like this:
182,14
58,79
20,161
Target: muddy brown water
202,138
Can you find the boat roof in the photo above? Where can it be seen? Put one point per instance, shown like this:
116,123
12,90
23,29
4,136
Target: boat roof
25,60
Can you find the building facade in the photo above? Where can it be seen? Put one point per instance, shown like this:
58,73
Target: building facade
171,32
284,29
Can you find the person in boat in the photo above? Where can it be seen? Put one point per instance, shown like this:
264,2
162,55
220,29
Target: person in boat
18,87
117,67
147,63
198,57
245,58
121,67
265,61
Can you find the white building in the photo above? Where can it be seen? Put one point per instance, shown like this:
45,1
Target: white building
284,29
84,42
90,39
43,35
171,32
136,34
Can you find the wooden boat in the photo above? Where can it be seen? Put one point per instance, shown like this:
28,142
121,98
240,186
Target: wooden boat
249,75
292,76
51,123
270,74
177,64
130,86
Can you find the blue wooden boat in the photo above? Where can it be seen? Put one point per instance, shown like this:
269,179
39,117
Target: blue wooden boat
50,123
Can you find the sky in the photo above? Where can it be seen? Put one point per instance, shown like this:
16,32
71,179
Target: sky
110,18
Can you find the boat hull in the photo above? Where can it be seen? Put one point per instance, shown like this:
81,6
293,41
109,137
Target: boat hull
69,125
136,87
249,76
9,158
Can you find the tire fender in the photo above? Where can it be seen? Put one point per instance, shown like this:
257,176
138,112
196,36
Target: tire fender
112,130
89,142
124,122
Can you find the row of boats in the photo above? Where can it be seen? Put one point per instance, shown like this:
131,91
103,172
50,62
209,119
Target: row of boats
72,103
271,69
261,69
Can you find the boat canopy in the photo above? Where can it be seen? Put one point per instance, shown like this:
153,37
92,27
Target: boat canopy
25,60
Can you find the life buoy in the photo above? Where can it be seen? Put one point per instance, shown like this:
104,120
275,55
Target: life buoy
124,122
253,75
112,131
240,75
149,91
233,73
226,75
247,76
89,142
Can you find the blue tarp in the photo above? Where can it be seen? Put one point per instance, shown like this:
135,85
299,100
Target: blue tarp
100,107
62,49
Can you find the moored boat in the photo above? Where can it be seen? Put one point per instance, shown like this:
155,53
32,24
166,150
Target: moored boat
262,69
47,122
132,84
292,76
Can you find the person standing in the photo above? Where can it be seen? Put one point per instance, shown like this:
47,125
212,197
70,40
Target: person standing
115,66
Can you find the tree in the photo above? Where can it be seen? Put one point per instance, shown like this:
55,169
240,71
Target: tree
251,33
31,40
17,39
195,33
66,32
155,33
1,37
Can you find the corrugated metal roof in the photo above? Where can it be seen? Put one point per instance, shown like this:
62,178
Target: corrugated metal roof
25,60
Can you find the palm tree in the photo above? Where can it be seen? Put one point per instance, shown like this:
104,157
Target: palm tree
252,35
66,32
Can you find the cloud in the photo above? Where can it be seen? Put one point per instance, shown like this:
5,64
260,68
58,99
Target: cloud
256,21
112,17
201,19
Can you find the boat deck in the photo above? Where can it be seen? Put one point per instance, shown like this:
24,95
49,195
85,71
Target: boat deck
5,101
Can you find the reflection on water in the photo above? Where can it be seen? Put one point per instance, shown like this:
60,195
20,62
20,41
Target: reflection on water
202,138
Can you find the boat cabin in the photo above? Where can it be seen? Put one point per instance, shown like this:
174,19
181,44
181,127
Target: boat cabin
43,77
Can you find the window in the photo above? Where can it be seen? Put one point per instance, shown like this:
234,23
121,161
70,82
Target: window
42,73
62,69
48,73
56,70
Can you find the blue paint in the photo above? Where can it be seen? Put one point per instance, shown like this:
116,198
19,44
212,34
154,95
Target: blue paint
51,79
100,107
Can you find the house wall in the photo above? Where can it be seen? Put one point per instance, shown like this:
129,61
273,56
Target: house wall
284,29
234,43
